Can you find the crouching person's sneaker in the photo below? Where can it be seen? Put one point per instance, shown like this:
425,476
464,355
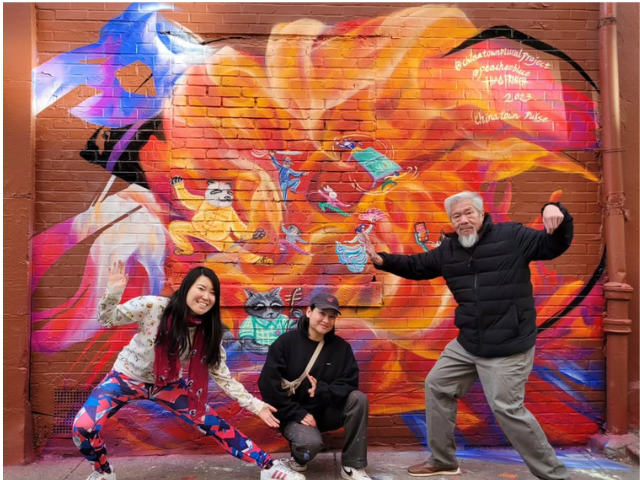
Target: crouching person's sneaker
280,471
350,473
102,476
297,467
425,469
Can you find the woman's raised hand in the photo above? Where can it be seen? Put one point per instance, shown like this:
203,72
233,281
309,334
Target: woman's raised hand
118,279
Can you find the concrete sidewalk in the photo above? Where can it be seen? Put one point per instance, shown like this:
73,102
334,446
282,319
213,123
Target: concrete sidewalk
384,464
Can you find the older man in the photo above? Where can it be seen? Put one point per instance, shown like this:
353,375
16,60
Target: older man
486,267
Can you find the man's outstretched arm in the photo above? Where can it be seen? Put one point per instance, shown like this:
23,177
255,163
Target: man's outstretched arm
421,266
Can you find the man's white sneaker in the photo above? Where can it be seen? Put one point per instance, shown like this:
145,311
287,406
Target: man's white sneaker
350,473
297,467
280,471
102,476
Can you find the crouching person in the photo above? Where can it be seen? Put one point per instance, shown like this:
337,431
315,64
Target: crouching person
311,377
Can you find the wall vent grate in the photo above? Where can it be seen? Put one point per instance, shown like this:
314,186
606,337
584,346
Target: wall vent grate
66,403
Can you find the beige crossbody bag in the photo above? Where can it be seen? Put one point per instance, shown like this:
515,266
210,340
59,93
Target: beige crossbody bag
290,387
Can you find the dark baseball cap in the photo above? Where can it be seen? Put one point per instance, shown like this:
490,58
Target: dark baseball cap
325,300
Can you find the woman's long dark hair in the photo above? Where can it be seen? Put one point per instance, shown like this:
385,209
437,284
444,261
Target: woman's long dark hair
177,335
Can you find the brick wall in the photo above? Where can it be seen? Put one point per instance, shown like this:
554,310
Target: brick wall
384,105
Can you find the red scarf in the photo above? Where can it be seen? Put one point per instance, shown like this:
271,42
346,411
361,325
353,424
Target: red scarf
166,368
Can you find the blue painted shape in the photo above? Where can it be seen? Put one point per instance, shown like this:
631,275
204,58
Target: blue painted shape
511,457
139,34
416,423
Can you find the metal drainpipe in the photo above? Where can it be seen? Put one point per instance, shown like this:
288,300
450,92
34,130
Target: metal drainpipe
616,325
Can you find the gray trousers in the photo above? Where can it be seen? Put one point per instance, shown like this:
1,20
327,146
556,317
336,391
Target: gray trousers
306,442
503,380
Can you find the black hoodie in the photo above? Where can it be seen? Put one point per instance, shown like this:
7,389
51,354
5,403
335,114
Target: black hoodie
335,370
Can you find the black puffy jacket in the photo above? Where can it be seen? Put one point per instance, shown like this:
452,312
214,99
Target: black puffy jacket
491,282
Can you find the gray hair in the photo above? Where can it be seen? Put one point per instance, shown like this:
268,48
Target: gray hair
478,203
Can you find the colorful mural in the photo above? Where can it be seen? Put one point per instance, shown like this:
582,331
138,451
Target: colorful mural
267,166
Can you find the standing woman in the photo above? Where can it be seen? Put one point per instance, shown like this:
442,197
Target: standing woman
181,333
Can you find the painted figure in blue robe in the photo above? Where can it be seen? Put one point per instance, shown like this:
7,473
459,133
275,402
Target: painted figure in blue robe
354,256
288,177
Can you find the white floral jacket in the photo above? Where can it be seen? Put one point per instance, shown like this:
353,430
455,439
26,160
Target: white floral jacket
136,359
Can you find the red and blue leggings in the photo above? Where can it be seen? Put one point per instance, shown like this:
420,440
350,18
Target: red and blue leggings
116,390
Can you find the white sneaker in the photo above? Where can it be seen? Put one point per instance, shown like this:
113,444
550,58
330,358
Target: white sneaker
280,471
350,473
297,467
102,476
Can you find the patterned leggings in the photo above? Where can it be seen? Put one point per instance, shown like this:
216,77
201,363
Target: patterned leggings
116,390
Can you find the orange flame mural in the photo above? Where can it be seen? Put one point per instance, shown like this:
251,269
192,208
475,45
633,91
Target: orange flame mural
268,166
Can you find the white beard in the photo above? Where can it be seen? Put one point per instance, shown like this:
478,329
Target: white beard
468,241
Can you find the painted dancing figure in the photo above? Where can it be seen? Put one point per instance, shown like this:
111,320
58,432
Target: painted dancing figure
332,202
292,236
288,177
